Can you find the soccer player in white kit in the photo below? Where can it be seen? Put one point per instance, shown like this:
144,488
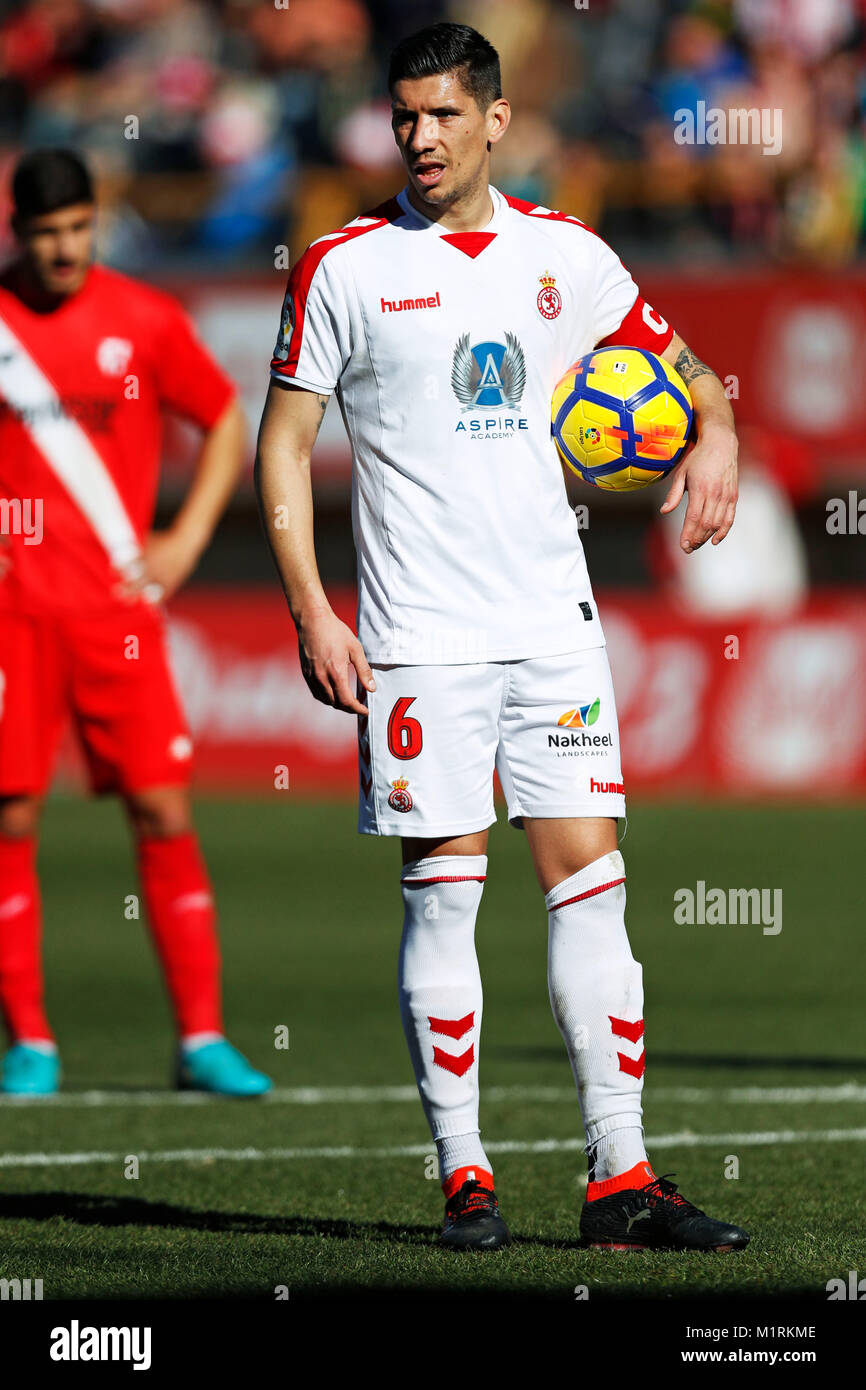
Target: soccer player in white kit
443,320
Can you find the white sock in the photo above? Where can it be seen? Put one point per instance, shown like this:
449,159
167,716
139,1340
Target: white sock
440,998
190,1041
38,1045
461,1151
596,993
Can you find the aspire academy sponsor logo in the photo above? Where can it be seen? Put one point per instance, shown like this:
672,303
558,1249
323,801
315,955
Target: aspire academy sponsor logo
489,376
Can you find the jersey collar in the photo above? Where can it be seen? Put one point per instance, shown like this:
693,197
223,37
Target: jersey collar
424,223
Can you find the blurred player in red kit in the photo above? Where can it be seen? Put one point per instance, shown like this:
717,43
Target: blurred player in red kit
88,361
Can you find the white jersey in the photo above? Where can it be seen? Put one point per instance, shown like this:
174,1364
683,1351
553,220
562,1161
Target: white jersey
444,349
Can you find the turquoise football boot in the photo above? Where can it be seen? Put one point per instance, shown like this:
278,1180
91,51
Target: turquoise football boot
27,1071
220,1068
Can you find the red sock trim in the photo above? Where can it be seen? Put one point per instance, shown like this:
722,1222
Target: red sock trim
462,1175
638,1176
590,893
448,878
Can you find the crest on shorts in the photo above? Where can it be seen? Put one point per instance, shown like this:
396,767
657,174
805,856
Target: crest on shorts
400,799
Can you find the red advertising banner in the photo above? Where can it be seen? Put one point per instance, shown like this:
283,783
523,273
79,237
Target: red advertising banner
747,709
790,347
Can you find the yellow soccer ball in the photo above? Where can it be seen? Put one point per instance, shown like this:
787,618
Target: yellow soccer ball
620,418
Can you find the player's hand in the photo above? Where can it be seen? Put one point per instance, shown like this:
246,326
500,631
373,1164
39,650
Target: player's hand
330,652
708,472
167,561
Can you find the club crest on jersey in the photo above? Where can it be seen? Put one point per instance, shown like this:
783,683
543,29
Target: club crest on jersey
112,356
549,299
488,375
400,799
287,323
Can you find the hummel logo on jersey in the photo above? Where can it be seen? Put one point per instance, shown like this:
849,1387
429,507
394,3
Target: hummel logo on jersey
396,306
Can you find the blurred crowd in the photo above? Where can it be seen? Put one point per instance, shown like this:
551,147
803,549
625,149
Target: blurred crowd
220,128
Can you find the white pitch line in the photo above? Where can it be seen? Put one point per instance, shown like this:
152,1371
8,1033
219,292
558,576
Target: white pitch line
377,1095
760,1095
685,1139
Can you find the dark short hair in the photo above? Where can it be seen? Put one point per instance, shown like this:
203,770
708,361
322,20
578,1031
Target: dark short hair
446,48
45,180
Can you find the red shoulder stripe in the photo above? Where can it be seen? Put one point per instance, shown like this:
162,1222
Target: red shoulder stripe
305,267
551,215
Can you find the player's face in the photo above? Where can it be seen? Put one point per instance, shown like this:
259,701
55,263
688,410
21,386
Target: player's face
444,137
58,247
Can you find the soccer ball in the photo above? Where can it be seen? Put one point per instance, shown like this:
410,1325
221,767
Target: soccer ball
621,417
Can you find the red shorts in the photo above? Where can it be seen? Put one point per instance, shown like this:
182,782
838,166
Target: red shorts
110,672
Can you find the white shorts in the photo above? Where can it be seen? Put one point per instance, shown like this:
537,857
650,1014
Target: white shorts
434,734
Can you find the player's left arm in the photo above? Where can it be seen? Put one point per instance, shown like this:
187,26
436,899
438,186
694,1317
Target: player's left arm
191,383
171,555
708,469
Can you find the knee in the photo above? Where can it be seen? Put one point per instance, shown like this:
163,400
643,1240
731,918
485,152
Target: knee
160,814
19,816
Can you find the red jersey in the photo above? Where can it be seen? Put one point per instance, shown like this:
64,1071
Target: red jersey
82,391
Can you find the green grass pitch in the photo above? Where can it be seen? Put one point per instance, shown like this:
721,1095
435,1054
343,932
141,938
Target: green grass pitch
754,1043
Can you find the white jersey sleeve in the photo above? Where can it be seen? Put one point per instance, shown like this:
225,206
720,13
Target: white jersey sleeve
615,291
314,341
620,315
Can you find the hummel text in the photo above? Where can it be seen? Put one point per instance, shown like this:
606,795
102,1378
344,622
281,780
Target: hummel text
396,306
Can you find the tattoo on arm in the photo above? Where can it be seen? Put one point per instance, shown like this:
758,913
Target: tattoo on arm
691,367
323,402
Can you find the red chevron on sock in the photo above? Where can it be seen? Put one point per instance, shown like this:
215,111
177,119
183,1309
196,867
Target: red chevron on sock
451,1027
458,1065
634,1068
621,1029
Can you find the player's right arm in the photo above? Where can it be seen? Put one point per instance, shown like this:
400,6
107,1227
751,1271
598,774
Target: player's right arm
329,650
